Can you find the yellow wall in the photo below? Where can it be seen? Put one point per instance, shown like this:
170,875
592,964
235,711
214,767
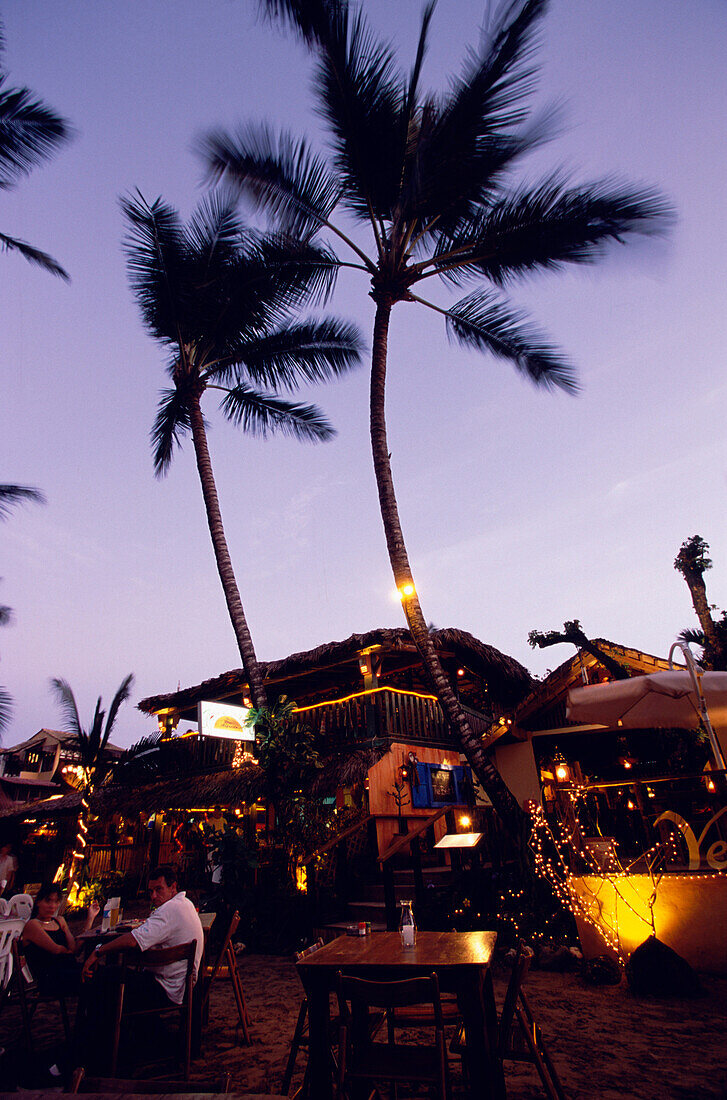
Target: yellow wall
690,915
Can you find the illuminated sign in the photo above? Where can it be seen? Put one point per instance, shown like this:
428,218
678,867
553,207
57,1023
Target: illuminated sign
223,720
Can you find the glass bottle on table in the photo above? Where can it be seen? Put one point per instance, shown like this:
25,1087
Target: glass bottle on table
407,925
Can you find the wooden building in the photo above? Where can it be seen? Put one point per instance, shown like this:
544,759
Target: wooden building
369,700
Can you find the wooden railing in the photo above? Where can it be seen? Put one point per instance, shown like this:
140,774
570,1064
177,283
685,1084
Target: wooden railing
412,842
387,714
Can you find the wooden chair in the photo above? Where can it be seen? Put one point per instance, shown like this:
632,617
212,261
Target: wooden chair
300,1034
81,1083
362,1060
523,1043
227,957
30,996
159,957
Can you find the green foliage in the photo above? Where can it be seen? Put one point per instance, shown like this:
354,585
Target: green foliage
290,761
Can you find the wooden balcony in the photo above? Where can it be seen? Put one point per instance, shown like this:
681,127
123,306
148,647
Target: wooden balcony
388,715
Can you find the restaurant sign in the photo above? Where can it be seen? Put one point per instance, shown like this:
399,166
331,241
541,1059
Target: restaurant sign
223,720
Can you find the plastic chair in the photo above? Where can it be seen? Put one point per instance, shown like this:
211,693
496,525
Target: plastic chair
9,931
81,1083
362,1060
20,906
159,957
4,904
523,1043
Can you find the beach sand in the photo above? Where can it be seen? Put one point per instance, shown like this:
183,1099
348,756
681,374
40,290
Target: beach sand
605,1042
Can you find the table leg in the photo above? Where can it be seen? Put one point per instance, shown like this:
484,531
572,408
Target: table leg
476,1001
319,1015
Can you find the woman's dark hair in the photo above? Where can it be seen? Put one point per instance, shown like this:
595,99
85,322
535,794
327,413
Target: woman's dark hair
47,890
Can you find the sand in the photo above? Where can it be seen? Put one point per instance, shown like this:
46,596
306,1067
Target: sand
605,1042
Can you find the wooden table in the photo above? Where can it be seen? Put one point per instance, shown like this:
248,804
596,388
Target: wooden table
461,961
38,1095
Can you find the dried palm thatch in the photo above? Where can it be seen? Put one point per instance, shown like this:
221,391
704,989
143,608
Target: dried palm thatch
507,680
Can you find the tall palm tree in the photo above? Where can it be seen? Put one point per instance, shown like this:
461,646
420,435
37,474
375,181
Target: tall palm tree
692,562
222,301
92,743
30,133
432,177
10,497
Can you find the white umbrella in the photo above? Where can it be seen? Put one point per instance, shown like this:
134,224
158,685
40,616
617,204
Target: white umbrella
676,698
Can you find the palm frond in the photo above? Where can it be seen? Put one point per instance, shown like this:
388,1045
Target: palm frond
6,615
274,172
485,322
171,423
363,98
548,226
214,230
122,694
472,135
261,414
6,709
12,495
67,703
30,133
304,352
155,249
33,255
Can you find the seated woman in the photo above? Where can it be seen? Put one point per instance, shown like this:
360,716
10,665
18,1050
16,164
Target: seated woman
49,947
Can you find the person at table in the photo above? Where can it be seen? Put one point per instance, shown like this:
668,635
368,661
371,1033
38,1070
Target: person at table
8,868
49,945
174,921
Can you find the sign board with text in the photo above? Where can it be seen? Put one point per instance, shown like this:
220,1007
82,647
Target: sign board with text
224,720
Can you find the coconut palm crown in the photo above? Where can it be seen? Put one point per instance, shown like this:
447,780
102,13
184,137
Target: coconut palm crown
432,176
224,302
30,133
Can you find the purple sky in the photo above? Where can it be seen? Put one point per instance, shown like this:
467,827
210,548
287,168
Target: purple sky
521,509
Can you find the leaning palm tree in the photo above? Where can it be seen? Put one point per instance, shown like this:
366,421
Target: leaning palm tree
30,133
432,176
222,301
92,743
10,497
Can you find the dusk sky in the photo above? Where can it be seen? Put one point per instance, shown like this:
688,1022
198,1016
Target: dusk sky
521,508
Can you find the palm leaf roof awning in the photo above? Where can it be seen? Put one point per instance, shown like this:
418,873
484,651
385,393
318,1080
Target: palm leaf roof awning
328,669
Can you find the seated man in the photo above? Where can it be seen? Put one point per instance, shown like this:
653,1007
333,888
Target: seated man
174,921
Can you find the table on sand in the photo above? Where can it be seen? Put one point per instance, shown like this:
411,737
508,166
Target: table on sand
461,961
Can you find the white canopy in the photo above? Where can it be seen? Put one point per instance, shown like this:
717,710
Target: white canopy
667,699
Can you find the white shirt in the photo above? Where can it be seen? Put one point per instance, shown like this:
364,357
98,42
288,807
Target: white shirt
173,923
8,867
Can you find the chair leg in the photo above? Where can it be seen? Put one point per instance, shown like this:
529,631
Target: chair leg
239,995
295,1047
117,1029
543,1064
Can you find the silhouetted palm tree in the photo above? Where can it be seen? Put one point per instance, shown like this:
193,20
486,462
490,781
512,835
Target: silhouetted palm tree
30,133
91,745
222,301
10,497
432,176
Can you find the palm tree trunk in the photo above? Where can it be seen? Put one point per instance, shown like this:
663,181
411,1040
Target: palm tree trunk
499,794
698,592
222,557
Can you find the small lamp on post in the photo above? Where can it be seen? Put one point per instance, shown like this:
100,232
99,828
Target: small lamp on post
561,768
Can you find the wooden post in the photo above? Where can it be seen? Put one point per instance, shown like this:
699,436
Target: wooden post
416,863
390,897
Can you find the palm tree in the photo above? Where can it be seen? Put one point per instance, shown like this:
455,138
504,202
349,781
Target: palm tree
221,300
10,497
692,562
30,133
432,177
91,745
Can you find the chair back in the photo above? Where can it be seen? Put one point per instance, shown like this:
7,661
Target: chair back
310,950
20,906
363,993
523,959
10,930
4,907
80,1083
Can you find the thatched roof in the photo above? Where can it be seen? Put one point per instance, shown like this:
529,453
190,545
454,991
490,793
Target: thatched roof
225,788
345,769
319,669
